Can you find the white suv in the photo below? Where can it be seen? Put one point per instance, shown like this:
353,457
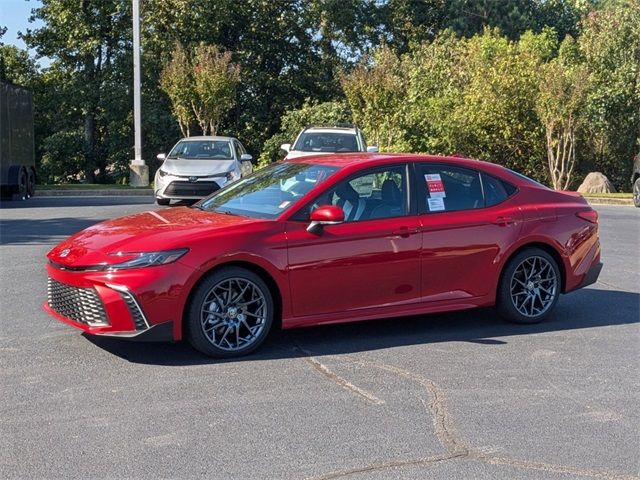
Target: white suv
326,140
198,166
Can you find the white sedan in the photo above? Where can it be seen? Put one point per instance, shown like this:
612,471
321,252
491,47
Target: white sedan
198,166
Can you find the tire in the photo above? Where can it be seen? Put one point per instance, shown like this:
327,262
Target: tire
21,187
636,192
229,314
529,287
31,183
163,201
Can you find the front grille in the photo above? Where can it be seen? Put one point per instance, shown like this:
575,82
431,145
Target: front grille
82,305
134,310
188,189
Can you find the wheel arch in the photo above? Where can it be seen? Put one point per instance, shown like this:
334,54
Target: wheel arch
252,267
546,247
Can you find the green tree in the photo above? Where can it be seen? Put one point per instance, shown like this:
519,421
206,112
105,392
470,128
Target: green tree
560,105
177,82
88,43
375,93
215,81
610,44
496,118
17,67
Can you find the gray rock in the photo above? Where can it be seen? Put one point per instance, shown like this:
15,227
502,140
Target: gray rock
596,182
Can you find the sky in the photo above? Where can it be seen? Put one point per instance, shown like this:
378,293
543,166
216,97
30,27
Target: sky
14,14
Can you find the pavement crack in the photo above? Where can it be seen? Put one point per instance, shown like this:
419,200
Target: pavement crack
385,466
338,380
443,423
552,468
444,429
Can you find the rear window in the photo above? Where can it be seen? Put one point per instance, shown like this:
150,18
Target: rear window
527,179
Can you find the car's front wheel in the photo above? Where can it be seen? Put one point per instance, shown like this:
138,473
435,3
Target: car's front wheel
636,192
230,313
529,287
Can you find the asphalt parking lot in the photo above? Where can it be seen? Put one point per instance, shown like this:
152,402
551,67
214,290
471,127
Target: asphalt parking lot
446,396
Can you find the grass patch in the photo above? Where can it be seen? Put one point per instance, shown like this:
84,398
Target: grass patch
608,195
86,186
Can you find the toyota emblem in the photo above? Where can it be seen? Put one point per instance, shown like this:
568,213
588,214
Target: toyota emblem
65,252
193,179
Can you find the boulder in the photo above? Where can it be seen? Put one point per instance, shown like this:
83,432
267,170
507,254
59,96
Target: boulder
596,182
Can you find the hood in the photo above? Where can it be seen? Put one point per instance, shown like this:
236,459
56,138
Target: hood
298,153
142,232
200,167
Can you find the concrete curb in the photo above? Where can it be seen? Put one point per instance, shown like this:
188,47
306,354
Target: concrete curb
610,201
114,192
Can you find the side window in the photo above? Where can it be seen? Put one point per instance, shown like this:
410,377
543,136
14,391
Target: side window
239,149
373,195
448,188
495,191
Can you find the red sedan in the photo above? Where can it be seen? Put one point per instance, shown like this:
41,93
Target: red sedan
327,240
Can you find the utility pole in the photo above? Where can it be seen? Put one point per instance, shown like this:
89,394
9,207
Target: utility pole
138,170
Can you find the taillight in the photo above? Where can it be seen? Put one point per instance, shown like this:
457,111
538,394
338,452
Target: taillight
589,216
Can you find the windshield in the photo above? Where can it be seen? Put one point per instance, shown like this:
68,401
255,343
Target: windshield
202,149
269,192
326,142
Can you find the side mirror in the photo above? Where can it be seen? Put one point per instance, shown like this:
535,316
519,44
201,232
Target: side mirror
245,157
161,157
372,149
286,147
325,215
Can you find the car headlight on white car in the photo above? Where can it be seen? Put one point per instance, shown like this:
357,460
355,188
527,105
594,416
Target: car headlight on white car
232,176
162,173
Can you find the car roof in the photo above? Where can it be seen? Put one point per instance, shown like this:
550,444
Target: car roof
363,160
206,137
330,129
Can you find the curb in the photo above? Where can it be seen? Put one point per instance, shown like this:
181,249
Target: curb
116,192
610,201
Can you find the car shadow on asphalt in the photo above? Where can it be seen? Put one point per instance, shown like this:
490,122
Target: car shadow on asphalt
47,231
73,201
588,308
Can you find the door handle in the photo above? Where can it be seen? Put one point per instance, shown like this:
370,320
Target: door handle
504,221
405,232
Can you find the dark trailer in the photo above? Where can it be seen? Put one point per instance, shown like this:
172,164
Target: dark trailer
17,160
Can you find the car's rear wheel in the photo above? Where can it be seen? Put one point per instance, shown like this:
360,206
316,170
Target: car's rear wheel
163,201
529,287
636,192
230,313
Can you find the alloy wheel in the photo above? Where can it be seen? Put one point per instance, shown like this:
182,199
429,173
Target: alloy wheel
533,286
233,314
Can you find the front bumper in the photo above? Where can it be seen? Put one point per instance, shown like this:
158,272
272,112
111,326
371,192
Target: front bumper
181,188
141,304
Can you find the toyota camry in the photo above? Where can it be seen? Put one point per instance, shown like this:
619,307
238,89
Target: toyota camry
329,239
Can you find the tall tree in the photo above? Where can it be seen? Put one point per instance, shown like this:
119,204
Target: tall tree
610,44
560,106
375,93
216,78
177,82
85,40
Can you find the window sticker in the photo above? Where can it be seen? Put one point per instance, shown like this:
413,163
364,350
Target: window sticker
436,204
435,185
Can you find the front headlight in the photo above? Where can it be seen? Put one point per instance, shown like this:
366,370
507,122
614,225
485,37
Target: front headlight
146,259
232,176
162,173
